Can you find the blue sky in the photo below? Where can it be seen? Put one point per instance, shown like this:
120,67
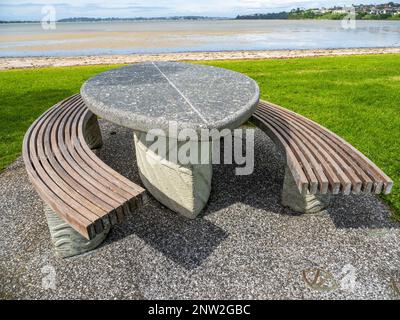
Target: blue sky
31,9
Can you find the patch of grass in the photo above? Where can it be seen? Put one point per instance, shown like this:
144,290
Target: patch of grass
357,97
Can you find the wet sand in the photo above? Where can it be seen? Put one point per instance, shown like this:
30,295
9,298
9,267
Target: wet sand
40,62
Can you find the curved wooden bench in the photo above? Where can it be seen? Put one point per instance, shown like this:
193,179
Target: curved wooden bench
71,179
318,161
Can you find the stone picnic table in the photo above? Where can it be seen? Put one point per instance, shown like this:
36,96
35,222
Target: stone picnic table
170,97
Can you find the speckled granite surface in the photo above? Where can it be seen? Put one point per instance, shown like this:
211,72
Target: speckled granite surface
151,95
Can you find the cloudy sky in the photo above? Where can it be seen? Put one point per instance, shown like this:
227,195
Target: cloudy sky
31,9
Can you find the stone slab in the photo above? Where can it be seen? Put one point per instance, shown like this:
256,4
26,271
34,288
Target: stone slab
151,95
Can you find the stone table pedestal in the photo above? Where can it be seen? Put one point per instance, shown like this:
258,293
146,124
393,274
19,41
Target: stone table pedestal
184,188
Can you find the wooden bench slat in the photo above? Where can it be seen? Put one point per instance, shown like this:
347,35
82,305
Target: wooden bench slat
292,161
317,161
84,226
330,178
137,193
78,164
347,159
93,169
39,159
330,159
113,177
379,177
317,178
67,175
339,181
73,167
41,165
88,187
81,167
87,167
45,152
80,223
132,200
127,184
354,170
317,146
356,174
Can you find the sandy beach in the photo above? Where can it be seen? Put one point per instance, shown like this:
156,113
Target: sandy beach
41,62
73,44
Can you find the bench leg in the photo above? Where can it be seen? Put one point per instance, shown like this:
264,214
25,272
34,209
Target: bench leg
66,240
304,203
182,188
93,134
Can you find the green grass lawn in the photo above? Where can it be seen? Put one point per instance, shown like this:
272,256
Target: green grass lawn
357,97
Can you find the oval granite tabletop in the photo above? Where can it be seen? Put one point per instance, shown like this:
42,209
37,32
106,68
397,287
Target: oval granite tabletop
151,95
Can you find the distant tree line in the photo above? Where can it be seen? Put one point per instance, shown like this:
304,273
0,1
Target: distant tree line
296,14
87,19
278,15
18,21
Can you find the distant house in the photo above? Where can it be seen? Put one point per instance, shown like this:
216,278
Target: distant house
389,11
340,11
361,8
374,11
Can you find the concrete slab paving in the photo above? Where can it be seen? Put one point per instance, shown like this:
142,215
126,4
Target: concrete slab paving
244,245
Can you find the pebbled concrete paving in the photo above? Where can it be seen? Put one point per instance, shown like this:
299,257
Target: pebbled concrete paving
245,244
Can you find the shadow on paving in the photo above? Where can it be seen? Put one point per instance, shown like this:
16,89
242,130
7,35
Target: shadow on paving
189,242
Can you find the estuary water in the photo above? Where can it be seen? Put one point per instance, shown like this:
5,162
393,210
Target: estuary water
103,38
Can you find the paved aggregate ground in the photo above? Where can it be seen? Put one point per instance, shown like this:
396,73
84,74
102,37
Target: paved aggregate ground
244,246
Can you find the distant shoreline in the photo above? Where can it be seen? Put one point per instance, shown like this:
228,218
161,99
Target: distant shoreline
107,20
42,62
197,20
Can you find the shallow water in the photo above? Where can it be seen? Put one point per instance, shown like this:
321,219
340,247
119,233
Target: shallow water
70,39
